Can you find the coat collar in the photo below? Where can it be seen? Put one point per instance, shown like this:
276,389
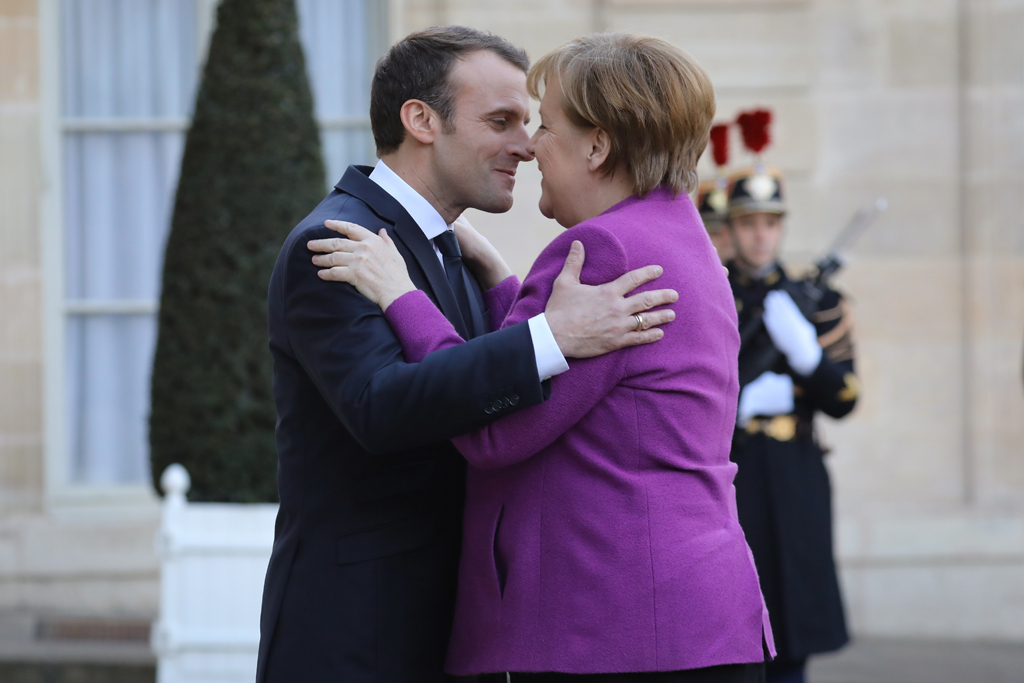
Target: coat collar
357,183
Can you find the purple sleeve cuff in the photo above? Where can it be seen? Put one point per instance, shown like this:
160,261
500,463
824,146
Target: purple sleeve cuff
420,326
499,299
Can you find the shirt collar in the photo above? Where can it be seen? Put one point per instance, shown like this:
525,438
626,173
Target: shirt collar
424,215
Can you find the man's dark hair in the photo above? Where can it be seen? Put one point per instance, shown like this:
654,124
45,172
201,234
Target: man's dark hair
418,68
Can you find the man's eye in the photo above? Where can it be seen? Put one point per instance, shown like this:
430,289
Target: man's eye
500,122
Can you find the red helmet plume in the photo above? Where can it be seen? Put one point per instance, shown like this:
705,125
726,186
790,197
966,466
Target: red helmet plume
754,126
720,143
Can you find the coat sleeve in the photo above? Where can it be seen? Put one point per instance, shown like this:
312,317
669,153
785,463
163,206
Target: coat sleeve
499,299
348,349
425,332
832,388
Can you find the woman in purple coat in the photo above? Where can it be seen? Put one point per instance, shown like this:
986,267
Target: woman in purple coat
601,534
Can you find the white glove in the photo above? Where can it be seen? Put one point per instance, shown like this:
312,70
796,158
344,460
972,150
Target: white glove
791,332
769,394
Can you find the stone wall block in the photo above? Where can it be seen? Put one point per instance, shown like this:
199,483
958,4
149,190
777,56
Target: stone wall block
904,302
21,398
20,187
922,52
944,601
995,36
21,9
21,473
763,47
890,134
894,469
19,55
850,44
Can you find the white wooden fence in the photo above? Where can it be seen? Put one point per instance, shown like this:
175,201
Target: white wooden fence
213,559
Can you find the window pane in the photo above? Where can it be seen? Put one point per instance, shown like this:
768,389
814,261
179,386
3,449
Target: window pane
118,193
109,366
342,40
128,58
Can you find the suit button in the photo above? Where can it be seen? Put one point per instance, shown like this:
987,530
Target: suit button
488,410
514,400
496,406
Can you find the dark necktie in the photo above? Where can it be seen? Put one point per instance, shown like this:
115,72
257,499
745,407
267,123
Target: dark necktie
448,245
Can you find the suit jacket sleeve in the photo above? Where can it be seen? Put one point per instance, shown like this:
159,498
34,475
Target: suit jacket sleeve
348,349
424,333
832,388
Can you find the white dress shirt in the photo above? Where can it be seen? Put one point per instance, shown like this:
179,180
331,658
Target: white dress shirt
549,358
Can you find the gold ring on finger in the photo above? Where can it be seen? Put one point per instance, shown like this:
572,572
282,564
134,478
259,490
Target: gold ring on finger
639,322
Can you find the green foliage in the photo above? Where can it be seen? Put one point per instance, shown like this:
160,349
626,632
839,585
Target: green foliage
252,169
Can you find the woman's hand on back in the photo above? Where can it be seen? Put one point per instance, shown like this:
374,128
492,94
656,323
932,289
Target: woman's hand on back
480,255
370,263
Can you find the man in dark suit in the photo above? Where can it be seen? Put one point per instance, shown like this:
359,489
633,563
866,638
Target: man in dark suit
361,582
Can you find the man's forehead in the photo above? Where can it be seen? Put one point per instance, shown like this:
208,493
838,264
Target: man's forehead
485,77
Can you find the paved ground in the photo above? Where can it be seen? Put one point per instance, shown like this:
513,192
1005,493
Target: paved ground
892,661
866,661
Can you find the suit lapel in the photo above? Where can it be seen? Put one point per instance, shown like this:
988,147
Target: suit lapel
357,183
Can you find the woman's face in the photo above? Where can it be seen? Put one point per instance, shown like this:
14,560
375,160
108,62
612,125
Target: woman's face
562,152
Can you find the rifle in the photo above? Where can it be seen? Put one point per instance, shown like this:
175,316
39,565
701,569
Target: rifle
806,292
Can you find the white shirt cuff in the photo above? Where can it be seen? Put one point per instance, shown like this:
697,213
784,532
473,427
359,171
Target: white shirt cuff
550,361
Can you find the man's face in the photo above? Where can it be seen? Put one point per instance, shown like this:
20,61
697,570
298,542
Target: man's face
755,238
722,241
477,162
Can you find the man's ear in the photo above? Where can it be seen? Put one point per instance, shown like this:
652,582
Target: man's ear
420,121
600,148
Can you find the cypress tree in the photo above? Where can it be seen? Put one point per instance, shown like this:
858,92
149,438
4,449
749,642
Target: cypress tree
251,170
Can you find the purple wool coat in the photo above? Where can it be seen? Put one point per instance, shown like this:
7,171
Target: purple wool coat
600,530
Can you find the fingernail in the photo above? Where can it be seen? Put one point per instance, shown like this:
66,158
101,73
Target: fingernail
659,270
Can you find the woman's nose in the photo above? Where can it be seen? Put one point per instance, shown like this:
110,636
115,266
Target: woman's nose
531,145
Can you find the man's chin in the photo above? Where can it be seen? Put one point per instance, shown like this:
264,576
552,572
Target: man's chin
499,204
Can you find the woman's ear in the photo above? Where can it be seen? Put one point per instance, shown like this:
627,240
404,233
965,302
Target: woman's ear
420,121
600,148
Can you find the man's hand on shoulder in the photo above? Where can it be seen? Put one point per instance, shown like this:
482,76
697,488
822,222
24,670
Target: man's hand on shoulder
590,321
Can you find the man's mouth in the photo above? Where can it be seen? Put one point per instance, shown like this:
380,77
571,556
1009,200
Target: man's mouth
510,173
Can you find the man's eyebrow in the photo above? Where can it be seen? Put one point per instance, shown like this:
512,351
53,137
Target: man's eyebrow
508,111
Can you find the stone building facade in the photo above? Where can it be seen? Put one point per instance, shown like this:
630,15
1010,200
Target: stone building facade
918,101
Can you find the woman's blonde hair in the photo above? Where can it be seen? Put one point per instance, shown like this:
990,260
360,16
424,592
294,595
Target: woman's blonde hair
653,100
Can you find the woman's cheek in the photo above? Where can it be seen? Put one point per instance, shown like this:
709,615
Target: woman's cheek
545,201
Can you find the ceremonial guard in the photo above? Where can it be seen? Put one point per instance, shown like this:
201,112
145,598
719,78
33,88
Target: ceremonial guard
713,195
796,360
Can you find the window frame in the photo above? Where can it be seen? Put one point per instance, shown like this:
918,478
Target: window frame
62,495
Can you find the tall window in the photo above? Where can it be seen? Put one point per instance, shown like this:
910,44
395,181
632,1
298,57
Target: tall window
129,73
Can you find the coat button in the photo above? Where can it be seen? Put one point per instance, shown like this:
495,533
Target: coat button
514,399
488,410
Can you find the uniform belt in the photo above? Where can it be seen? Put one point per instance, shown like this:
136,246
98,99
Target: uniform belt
780,428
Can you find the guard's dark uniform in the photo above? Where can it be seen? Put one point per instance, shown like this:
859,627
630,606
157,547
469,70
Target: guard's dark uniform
782,486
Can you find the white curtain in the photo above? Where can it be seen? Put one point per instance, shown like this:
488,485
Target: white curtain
129,75
342,40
